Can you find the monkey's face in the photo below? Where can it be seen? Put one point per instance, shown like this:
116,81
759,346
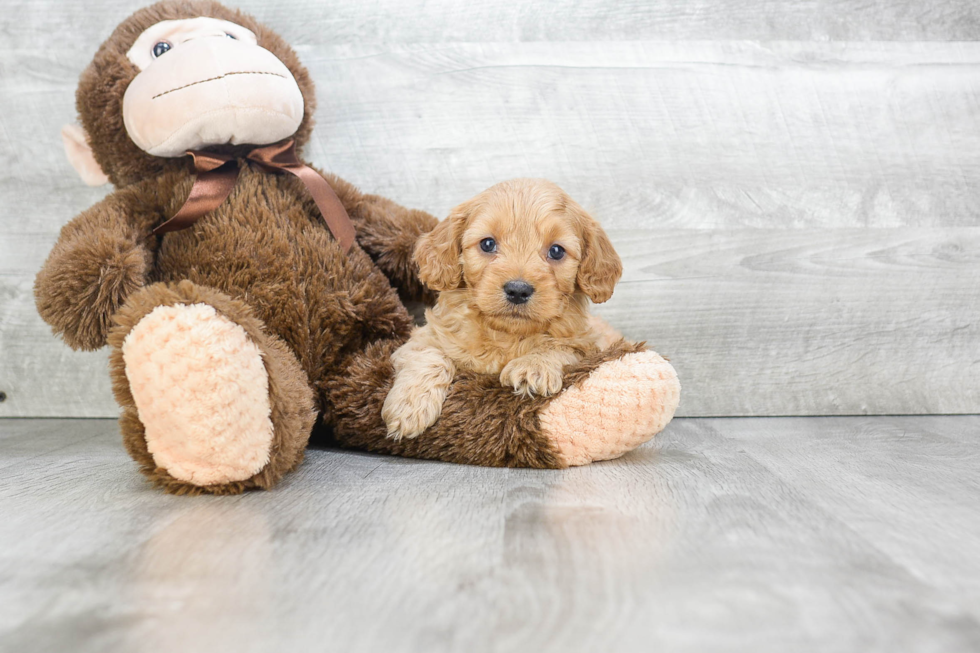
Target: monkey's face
182,75
205,82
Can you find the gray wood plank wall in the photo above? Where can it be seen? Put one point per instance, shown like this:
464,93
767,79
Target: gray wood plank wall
793,186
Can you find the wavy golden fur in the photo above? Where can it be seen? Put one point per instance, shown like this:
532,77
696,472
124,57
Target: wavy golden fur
474,326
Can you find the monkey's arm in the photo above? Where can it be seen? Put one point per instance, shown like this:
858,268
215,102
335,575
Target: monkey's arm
100,257
388,232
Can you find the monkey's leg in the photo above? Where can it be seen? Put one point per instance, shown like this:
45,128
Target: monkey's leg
612,402
210,402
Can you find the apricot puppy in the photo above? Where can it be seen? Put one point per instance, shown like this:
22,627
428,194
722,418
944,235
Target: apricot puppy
515,267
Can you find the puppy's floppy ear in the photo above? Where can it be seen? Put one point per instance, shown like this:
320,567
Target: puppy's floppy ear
600,267
438,252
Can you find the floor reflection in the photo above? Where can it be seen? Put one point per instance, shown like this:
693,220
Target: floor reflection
203,581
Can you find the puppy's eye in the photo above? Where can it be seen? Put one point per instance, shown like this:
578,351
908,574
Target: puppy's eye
556,253
488,245
231,36
161,48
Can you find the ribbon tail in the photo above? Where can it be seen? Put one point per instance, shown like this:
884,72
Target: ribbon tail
210,189
331,208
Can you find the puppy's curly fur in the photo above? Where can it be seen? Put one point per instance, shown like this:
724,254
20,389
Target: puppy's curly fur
475,327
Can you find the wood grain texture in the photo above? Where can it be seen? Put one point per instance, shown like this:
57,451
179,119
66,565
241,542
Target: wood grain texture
655,138
792,534
694,135
836,322
757,322
41,23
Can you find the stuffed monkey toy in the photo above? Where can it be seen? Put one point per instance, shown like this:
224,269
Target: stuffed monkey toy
248,298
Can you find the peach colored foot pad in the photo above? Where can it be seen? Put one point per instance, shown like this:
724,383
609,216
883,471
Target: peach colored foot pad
202,394
620,406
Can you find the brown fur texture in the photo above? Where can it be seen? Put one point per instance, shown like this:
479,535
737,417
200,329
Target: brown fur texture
483,422
325,321
94,266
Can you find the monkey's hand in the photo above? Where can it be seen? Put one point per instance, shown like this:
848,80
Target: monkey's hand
388,232
96,263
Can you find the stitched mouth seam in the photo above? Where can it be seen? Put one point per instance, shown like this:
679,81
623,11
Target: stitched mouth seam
243,72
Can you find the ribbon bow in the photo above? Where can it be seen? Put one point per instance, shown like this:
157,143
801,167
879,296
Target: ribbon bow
217,174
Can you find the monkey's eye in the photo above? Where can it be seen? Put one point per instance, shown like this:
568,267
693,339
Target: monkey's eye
556,253
231,36
488,245
161,48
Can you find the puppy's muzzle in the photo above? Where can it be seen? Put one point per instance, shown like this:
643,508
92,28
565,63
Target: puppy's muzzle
518,292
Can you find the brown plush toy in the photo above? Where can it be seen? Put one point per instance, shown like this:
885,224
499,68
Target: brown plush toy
239,310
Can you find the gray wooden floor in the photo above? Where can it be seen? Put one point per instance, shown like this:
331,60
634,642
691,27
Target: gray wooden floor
776,534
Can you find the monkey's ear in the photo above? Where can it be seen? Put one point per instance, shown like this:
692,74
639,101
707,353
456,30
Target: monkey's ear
79,154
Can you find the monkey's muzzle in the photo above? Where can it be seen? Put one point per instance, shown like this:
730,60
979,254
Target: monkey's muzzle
212,91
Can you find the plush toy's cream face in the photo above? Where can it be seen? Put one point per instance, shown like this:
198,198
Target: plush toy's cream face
205,82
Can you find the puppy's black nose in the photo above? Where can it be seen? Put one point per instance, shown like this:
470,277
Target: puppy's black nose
518,292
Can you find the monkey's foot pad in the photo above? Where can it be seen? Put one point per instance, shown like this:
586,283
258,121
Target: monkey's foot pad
621,405
202,394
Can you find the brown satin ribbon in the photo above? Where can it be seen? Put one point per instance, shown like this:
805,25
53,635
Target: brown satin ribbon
217,174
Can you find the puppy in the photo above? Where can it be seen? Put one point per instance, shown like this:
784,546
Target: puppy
515,267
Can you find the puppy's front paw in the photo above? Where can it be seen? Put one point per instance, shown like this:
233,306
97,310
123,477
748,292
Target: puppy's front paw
409,411
531,376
